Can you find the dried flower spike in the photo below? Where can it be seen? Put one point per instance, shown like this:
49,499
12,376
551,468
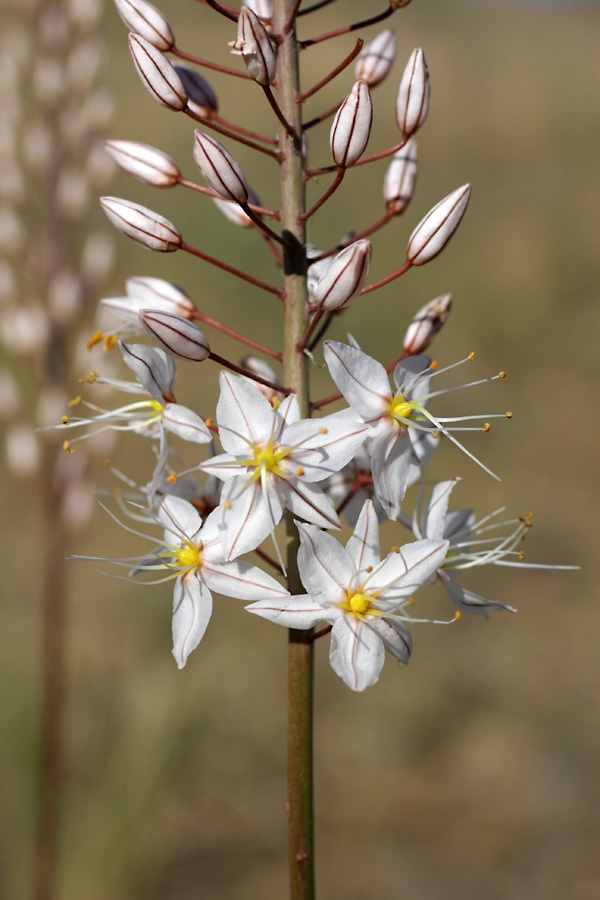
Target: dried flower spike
158,75
352,126
426,325
400,178
147,21
142,225
144,162
434,231
254,46
175,335
219,168
412,103
377,58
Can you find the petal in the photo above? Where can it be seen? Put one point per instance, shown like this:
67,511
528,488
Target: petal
153,368
436,509
402,573
184,423
395,636
356,653
325,567
362,380
249,514
391,454
308,502
287,413
179,518
223,466
299,612
244,415
192,608
242,580
469,602
406,372
363,546
326,445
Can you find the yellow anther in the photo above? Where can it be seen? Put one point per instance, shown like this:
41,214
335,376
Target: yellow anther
508,415
411,601
109,341
435,434
90,379
209,423
521,555
116,492
300,471
395,550
457,616
502,374
227,504
528,524
172,479
529,515
322,431
74,401
433,365
67,447
471,356
95,339
276,401
487,426
107,463
369,569
64,420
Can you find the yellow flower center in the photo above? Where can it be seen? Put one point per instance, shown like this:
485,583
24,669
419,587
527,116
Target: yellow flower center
267,459
360,605
401,407
188,556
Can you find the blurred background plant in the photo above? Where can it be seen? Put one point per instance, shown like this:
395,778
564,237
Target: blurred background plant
482,755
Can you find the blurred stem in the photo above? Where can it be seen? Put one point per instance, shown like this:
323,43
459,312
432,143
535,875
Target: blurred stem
300,671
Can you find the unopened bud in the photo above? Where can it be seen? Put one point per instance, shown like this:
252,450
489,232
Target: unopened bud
23,455
413,94
158,75
145,19
235,213
352,126
144,162
434,231
254,46
263,370
400,178
201,98
154,369
219,168
376,58
155,293
142,225
426,325
262,8
344,278
175,335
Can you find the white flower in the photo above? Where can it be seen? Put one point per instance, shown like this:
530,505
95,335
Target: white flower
272,461
358,594
395,419
193,555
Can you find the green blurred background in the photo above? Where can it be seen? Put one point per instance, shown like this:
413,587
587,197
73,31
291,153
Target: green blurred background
473,772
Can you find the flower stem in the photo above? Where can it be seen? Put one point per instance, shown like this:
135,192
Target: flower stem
300,671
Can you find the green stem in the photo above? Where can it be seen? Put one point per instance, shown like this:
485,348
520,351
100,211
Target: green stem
300,775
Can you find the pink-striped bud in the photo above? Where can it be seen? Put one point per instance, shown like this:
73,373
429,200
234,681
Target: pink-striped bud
352,126
377,58
175,335
434,231
150,293
145,19
219,168
142,225
400,178
158,75
343,280
201,98
413,94
254,46
144,162
262,8
426,325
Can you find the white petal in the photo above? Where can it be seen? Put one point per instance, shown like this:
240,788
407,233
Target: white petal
242,580
325,567
153,368
356,653
287,413
308,502
242,410
435,510
299,612
223,466
192,608
179,518
252,515
395,636
363,546
184,423
404,572
362,380
469,602
406,372
391,454
322,454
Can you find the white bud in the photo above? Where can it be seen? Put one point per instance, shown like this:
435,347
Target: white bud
144,162
99,166
98,257
158,75
376,58
413,94
352,126
84,63
344,278
201,98
400,178
23,456
254,46
154,369
175,335
219,168
77,504
65,297
155,293
72,194
262,8
314,271
25,330
263,370
426,325
142,225
235,213
48,80
147,21
434,231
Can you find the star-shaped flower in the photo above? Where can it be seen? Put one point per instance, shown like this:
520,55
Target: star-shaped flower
358,594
